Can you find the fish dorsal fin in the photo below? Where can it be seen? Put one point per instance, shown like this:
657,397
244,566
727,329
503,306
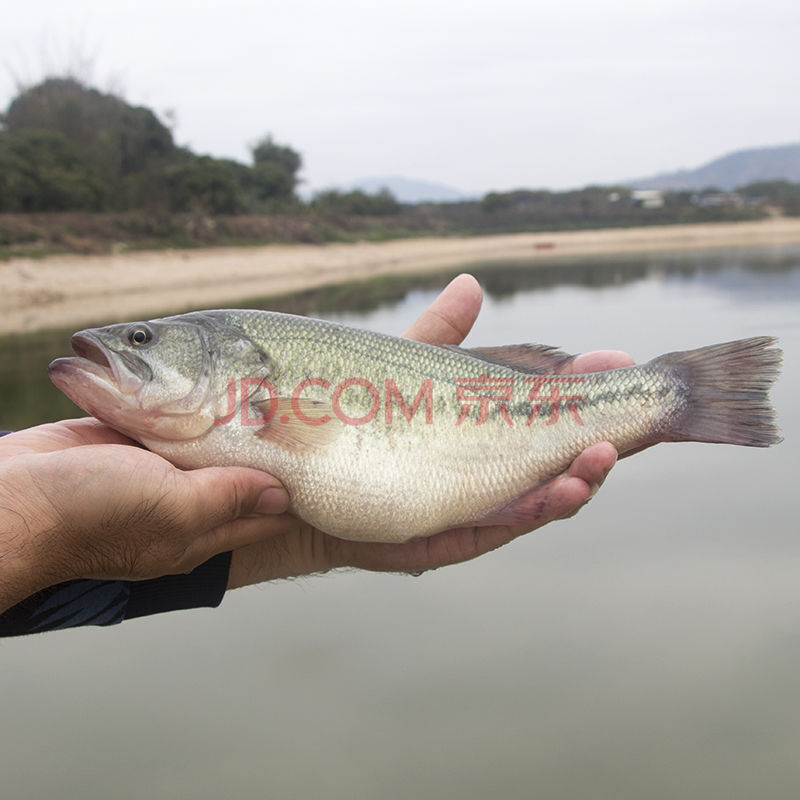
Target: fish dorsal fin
297,424
535,358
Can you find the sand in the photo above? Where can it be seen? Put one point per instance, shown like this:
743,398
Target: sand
71,291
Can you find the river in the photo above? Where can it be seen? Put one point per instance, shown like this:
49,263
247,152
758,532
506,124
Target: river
648,648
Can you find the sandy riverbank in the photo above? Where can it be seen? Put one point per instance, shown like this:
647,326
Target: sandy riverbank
64,291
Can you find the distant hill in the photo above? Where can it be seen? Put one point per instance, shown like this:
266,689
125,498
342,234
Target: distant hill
409,191
731,171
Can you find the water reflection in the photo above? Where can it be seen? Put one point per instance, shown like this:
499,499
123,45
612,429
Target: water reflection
28,397
647,648
502,279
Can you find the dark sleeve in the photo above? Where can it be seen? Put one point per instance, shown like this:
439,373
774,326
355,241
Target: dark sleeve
93,602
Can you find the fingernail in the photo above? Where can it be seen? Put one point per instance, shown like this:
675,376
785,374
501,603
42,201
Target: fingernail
272,501
594,488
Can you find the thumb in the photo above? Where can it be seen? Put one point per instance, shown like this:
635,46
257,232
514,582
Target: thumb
450,316
216,495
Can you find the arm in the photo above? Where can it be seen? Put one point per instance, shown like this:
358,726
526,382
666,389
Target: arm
78,500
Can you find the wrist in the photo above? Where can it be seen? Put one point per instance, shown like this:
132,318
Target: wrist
18,569
25,567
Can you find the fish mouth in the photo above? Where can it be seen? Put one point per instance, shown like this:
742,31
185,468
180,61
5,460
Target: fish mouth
123,370
96,381
85,347
103,382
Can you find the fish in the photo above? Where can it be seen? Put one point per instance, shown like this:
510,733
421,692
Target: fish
384,439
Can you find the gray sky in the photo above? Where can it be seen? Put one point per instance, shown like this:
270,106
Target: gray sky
496,94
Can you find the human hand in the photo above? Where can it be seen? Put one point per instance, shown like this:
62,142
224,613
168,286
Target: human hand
80,500
298,549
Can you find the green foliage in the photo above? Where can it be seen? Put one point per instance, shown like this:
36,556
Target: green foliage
117,139
271,184
43,171
497,201
275,169
783,194
356,203
67,146
267,151
590,207
208,185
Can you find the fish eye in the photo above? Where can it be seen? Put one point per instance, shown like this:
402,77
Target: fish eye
139,335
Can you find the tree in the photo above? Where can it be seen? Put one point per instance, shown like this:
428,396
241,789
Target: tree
64,145
267,150
43,171
356,203
208,185
275,169
118,138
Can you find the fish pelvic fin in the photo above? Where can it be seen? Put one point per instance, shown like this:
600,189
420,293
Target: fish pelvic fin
727,392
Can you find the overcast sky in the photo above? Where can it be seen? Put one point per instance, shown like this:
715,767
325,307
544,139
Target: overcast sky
495,94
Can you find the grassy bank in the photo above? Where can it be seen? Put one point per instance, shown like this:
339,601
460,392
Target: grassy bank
42,234
39,235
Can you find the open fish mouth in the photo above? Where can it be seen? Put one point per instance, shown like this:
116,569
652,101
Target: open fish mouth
85,347
123,370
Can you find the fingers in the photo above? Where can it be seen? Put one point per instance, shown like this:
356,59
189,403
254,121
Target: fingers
451,315
217,495
294,548
572,490
248,538
565,495
88,430
598,361
233,507
594,463
54,436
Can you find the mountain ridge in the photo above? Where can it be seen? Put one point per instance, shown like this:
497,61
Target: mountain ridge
410,190
730,171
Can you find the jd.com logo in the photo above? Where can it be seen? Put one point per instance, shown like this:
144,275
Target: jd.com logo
476,396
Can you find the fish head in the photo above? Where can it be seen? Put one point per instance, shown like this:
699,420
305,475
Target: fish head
162,379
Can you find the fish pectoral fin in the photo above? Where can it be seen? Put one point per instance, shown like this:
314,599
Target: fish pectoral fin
297,424
536,358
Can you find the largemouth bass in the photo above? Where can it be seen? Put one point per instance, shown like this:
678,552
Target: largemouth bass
378,438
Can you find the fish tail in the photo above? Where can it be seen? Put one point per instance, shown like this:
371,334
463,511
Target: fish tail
727,393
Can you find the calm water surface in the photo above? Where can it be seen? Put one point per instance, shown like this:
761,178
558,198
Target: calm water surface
648,648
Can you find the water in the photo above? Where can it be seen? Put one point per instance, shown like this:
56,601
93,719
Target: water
650,647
